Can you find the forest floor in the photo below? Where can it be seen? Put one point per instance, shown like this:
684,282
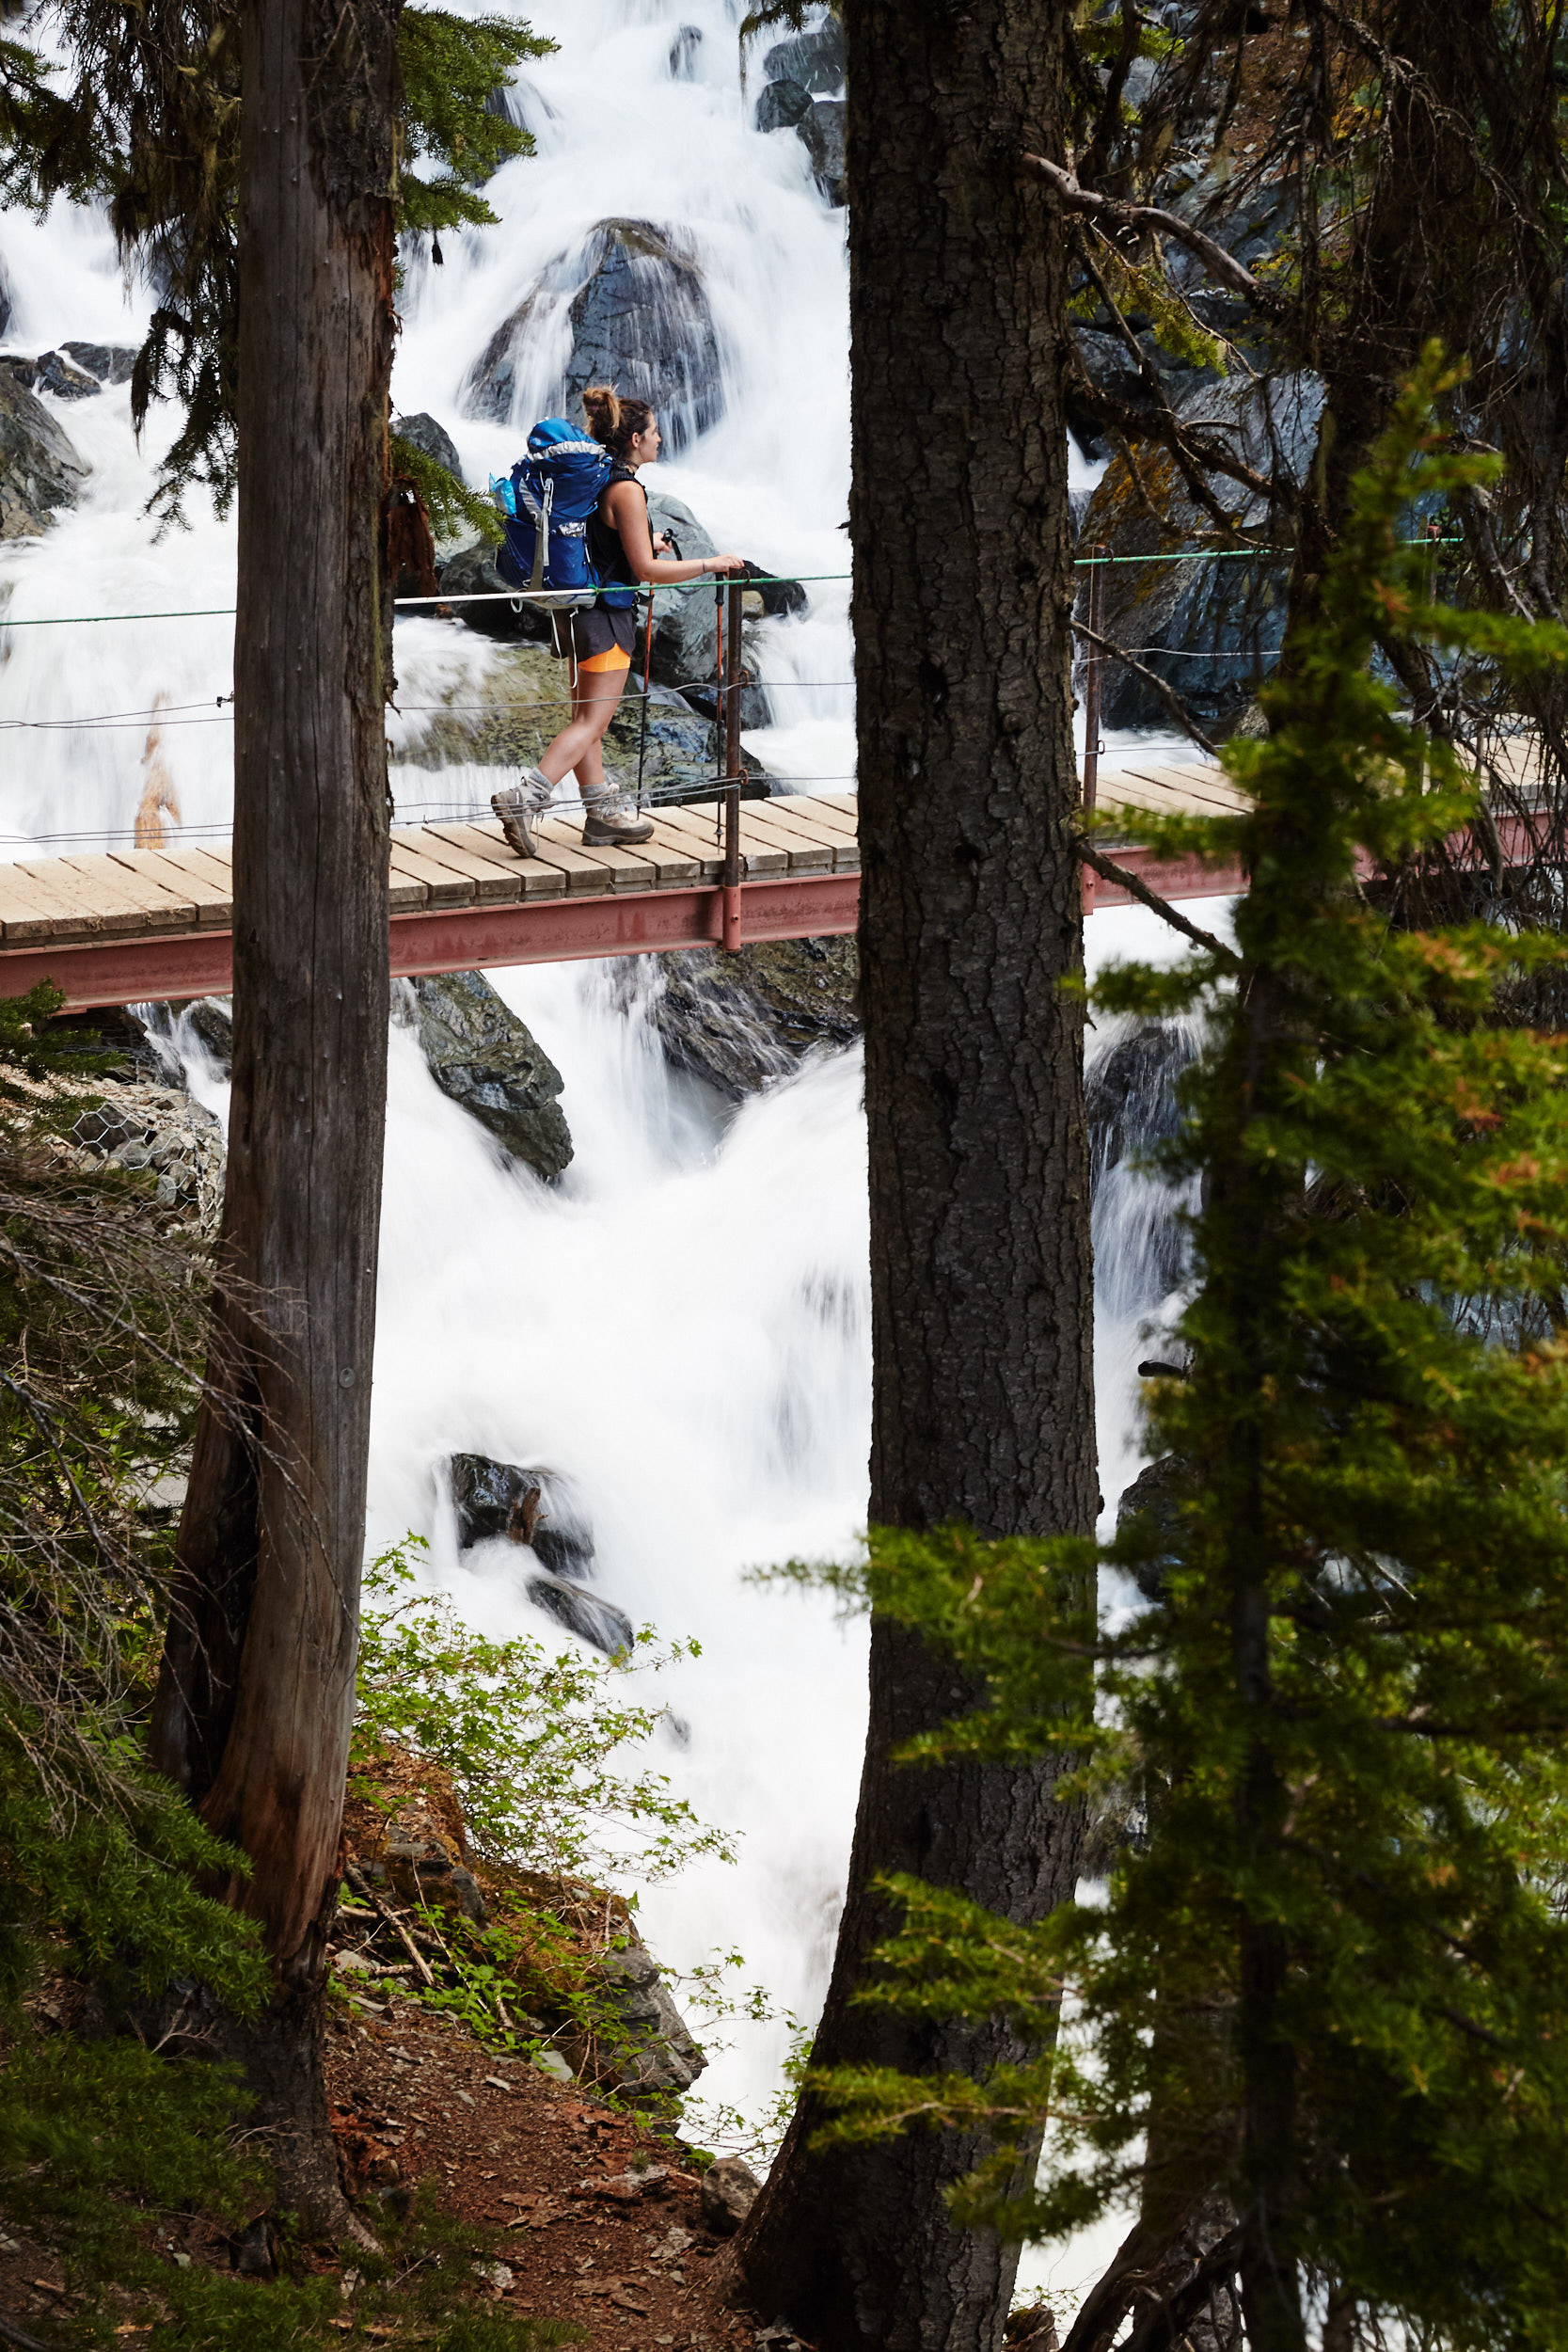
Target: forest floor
596,2220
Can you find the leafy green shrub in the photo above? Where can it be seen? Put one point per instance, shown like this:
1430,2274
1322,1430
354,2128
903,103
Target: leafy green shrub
528,1740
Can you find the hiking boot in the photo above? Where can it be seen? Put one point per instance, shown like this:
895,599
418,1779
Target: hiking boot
519,805
612,821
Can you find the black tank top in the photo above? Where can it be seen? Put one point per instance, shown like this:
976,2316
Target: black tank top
604,549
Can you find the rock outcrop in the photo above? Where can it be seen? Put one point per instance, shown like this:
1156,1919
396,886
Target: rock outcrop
41,472
483,1058
659,2053
425,434
684,52
738,1022
640,318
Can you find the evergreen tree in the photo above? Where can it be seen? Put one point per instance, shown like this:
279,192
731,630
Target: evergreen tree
1320,2019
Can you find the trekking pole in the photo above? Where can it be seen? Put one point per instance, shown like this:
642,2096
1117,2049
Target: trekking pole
647,673
1097,555
732,774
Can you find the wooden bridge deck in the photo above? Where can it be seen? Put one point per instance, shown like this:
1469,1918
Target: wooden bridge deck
120,926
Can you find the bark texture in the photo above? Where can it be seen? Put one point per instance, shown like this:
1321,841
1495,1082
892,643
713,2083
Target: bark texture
256,1693
981,1275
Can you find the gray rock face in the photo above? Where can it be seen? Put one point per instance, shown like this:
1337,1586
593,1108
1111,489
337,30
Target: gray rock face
738,1022
639,320
112,363
483,1058
822,130
40,471
432,438
683,53
1211,629
661,2056
814,59
686,638
5,299
730,2189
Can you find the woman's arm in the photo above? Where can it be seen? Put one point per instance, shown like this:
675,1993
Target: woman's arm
627,509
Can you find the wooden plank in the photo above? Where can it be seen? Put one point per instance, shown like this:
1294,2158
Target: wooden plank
95,905
801,834
591,869
820,815
29,910
443,885
535,879
165,910
764,853
491,879
211,906
849,802
207,862
707,861
806,853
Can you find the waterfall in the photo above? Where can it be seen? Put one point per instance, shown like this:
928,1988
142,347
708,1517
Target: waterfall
681,1326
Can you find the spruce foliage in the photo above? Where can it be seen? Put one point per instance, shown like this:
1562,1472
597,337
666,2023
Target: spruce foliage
1322,2009
144,117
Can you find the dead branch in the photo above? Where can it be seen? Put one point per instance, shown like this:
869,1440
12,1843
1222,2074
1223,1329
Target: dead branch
1168,694
1109,212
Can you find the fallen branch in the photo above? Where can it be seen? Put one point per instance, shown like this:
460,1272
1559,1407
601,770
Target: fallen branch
1167,693
363,1887
11,2333
1126,880
1106,210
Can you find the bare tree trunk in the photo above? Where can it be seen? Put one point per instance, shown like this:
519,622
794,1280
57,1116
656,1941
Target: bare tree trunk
981,1278
254,1698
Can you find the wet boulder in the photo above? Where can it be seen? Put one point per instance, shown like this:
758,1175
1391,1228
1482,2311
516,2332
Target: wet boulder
739,1021
51,372
812,58
822,132
111,364
1129,1093
782,105
537,1507
41,472
639,317
483,1058
684,52
588,1616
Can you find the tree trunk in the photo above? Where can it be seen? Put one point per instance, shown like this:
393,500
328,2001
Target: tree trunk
981,1280
256,1693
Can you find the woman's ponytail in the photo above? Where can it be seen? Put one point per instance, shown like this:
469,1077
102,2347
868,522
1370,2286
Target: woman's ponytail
614,422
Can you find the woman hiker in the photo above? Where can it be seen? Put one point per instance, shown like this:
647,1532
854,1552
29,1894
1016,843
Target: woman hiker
620,546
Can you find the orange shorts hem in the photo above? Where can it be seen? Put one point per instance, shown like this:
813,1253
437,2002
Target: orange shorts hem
600,662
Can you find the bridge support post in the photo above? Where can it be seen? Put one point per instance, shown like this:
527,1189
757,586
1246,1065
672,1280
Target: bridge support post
1099,555
727,698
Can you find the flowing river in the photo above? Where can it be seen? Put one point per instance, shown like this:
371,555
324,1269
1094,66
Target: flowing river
681,1326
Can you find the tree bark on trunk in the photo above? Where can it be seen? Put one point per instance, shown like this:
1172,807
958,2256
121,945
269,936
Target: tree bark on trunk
256,1693
981,1273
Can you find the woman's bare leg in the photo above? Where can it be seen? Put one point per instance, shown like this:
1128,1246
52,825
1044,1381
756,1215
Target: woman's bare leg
594,699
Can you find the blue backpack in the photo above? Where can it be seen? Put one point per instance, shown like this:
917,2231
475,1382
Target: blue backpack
546,506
